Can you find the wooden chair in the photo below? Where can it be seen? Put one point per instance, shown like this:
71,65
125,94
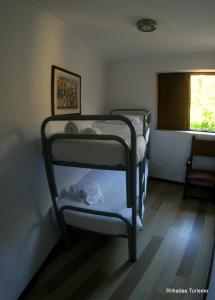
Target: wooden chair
196,176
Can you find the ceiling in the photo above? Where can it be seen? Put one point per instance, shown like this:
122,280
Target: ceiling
184,26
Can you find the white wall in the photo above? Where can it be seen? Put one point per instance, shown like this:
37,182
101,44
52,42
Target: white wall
133,83
31,41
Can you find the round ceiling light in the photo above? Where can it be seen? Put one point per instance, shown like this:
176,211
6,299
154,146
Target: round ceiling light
146,25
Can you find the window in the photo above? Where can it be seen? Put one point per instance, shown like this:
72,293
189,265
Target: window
202,106
186,101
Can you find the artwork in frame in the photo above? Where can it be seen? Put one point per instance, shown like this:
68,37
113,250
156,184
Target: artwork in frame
65,92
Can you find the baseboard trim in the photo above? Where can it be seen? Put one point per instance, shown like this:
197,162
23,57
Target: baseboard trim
166,180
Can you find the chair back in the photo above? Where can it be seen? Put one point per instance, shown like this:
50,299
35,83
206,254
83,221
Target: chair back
203,147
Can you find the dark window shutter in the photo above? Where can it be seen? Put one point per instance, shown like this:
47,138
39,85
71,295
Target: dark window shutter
173,101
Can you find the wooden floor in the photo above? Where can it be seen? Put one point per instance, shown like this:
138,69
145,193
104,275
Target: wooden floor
174,251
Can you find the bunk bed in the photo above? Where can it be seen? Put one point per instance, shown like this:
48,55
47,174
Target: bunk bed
125,150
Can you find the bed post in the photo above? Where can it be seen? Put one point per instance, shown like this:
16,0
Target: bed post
141,186
52,185
133,170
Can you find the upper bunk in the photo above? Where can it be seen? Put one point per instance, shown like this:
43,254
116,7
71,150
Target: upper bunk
97,141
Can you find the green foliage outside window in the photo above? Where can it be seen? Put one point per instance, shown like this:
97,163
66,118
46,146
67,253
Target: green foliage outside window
202,110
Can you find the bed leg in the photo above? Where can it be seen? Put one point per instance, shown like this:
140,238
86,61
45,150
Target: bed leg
141,188
134,245
64,231
128,192
132,249
129,244
185,190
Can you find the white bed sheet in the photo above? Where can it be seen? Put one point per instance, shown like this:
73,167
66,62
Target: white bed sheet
121,129
118,127
108,153
113,186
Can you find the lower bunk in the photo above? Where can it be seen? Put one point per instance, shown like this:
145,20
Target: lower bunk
109,191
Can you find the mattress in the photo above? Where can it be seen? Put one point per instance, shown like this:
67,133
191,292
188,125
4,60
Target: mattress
120,129
114,201
110,153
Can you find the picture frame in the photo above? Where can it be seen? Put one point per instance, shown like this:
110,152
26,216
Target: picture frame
65,92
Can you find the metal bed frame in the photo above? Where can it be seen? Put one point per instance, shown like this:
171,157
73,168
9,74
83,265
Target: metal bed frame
129,168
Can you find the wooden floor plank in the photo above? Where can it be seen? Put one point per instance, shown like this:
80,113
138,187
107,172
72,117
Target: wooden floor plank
175,199
61,276
187,261
86,290
131,280
149,279
112,282
198,275
208,233
180,240
65,259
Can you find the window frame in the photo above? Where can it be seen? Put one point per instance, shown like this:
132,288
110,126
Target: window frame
160,122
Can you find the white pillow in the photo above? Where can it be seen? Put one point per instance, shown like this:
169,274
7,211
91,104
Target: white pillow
135,119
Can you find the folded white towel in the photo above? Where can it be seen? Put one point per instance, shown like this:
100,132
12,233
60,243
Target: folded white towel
89,194
94,194
77,193
75,127
71,127
90,130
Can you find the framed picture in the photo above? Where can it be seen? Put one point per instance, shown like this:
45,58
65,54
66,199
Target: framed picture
65,92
